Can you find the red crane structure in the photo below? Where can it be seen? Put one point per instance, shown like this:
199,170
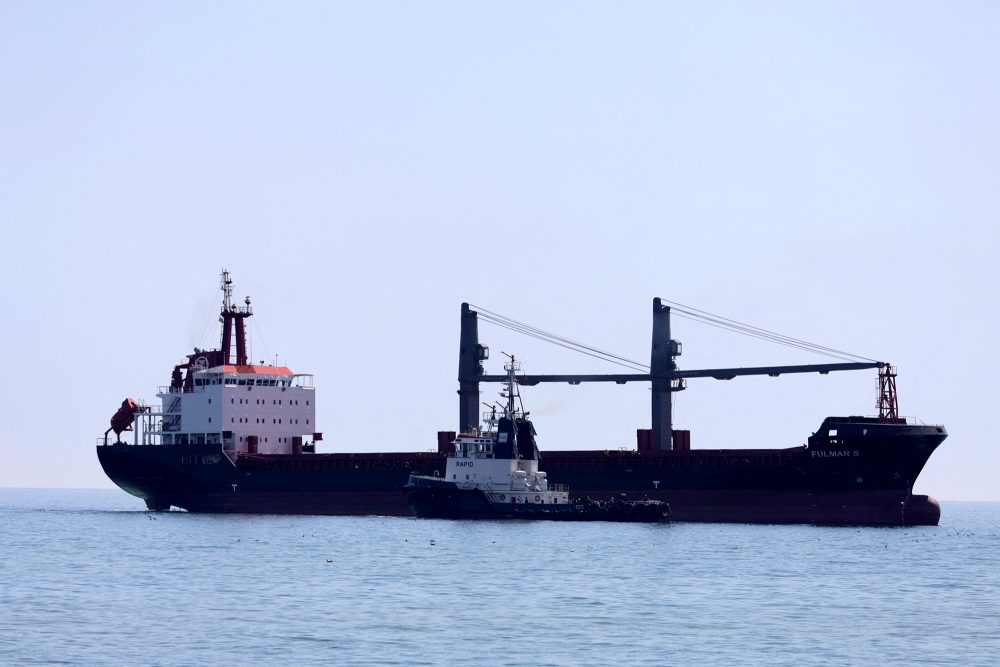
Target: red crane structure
888,404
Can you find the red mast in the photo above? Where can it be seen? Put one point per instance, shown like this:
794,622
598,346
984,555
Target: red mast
231,314
888,405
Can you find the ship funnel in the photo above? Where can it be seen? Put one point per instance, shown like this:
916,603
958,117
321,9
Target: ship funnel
233,315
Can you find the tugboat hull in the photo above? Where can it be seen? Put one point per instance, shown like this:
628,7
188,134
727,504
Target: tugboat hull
433,499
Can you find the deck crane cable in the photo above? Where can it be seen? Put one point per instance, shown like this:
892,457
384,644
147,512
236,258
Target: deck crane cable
540,334
686,312
549,334
750,330
766,338
526,332
765,334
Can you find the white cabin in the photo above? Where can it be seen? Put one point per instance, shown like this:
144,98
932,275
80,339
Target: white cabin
472,465
231,405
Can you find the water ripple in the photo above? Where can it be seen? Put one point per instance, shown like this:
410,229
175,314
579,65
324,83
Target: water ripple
86,578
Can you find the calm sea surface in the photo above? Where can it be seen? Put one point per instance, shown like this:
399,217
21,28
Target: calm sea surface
87,577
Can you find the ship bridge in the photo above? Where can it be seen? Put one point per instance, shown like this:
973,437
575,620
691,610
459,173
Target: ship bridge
251,376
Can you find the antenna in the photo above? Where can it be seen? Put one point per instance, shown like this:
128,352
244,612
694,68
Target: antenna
233,314
511,389
227,290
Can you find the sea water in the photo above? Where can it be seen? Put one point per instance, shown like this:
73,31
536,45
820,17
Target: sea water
90,577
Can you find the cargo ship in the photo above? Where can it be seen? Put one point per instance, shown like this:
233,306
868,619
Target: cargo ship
231,436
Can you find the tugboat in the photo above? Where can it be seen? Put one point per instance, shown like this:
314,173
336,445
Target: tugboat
493,473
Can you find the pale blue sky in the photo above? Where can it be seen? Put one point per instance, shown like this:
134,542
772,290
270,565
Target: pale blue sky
828,170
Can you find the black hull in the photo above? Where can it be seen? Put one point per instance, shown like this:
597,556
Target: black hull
437,499
863,476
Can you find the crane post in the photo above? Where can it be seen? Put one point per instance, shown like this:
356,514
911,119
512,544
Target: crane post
470,370
661,364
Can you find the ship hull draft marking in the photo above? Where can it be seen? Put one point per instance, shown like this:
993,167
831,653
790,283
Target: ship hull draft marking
233,455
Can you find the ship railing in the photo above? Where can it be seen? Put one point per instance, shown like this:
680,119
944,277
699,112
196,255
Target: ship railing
913,421
174,390
111,440
147,440
303,381
909,421
562,488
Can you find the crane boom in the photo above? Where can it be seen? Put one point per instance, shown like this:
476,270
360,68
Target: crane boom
716,373
664,375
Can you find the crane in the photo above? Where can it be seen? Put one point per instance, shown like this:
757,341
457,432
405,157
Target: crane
664,375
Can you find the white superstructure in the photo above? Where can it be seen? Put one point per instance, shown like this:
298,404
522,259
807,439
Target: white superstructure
267,409
472,466
217,397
